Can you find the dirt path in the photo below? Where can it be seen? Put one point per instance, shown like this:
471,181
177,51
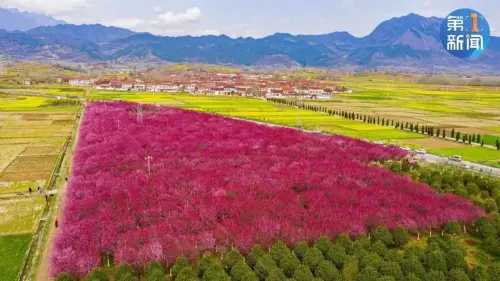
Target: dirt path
43,269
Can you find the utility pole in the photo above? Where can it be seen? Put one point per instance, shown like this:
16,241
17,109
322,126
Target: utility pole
149,158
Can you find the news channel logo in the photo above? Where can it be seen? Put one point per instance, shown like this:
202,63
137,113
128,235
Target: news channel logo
465,33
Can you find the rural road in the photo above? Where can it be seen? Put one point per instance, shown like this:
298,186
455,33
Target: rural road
464,164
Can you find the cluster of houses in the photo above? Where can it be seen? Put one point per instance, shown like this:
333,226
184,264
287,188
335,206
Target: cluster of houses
217,84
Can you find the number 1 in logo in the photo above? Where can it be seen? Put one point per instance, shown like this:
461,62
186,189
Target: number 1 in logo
474,22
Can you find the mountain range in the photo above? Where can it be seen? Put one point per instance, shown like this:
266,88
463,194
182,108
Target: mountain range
13,19
409,42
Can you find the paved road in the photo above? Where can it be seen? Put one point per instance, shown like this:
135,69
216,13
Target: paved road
464,164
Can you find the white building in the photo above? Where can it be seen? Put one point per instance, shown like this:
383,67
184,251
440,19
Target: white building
79,82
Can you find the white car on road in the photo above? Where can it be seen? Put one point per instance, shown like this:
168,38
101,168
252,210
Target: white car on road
421,151
456,158
406,148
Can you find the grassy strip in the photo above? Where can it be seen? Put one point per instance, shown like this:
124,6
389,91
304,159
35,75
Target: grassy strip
14,248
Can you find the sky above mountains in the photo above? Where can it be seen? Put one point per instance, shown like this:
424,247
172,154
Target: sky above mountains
255,18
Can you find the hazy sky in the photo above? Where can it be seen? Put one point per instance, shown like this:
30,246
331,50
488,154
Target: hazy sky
255,18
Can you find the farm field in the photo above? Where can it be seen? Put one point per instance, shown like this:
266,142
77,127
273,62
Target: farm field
12,252
263,111
217,182
467,109
32,134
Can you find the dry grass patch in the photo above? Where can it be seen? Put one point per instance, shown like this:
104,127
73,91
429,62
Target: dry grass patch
31,140
432,143
20,215
27,176
35,116
62,122
36,163
9,153
37,150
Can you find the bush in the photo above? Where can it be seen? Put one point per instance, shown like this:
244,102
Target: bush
65,277
215,273
495,193
254,255
125,272
302,273
494,271
156,275
382,234
344,241
301,250
96,274
251,276
453,227
276,275
264,265
232,258
337,255
400,236
434,275
386,278
413,265
490,206
312,258
368,274
479,273
350,269
204,264
485,227
456,259
327,271
390,268
239,270
379,248
436,261
371,259
472,188
278,251
186,274
323,244
288,264
180,263
457,274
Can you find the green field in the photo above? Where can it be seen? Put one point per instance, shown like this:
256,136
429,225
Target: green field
13,250
467,109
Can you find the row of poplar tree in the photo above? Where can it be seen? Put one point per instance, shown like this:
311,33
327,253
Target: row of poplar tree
407,126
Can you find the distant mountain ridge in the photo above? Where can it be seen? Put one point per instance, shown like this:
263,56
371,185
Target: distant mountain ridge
410,42
94,32
13,19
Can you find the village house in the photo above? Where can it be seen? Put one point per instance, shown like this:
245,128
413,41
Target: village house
126,85
274,93
139,86
79,82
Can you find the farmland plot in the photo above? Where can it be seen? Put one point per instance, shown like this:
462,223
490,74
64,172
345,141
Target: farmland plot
31,138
